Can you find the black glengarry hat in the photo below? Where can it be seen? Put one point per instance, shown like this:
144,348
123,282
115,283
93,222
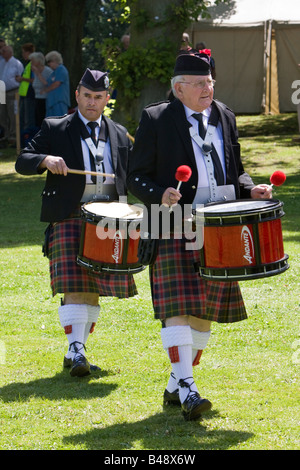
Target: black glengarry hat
95,80
192,64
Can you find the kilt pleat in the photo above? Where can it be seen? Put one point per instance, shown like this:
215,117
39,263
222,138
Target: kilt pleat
177,288
67,276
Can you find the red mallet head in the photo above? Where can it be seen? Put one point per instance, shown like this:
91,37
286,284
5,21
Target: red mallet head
278,178
183,173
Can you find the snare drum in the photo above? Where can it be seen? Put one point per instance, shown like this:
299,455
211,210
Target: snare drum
110,237
242,240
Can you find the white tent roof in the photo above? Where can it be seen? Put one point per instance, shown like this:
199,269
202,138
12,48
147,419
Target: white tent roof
254,11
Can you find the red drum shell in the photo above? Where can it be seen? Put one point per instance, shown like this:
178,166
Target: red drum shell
110,237
242,240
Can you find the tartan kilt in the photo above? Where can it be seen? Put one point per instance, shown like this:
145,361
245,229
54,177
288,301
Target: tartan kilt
177,288
67,276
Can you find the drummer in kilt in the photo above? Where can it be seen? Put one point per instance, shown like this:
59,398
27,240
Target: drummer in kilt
62,143
171,134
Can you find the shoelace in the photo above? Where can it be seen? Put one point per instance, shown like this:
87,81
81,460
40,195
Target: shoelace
176,391
192,395
77,349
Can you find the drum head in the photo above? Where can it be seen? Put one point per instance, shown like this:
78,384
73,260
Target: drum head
114,210
243,206
239,212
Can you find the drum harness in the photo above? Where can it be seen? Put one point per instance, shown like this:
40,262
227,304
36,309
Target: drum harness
148,247
96,152
95,190
206,146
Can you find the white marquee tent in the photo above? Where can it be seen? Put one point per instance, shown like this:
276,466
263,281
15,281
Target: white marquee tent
256,47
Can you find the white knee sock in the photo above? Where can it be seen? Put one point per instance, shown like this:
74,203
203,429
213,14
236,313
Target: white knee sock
93,314
177,341
75,319
200,340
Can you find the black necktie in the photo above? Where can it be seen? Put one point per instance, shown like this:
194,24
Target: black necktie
201,129
219,175
92,125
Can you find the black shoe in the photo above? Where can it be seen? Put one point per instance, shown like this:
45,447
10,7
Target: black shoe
80,366
171,398
193,406
68,362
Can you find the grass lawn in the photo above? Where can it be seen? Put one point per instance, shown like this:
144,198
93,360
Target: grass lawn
250,370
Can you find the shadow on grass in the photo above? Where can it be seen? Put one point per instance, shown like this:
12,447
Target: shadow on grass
162,431
20,206
165,430
60,386
264,125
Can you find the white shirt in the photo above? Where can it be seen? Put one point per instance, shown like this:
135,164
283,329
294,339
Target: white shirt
12,68
217,141
107,153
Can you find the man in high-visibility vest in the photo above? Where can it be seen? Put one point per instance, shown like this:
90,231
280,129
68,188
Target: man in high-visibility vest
26,93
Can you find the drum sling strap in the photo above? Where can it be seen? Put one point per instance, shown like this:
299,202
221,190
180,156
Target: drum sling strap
96,150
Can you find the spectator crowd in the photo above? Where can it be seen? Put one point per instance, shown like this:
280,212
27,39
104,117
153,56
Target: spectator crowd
35,87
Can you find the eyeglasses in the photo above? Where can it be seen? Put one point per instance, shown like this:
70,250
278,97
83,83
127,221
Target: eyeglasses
201,84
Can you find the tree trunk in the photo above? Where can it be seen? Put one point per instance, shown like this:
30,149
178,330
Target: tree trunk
64,31
150,20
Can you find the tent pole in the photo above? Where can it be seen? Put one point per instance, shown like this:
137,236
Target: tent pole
266,78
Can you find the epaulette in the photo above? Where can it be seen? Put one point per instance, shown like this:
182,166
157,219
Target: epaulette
157,104
57,117
223,105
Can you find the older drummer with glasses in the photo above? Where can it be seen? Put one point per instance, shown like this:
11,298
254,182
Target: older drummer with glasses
195,130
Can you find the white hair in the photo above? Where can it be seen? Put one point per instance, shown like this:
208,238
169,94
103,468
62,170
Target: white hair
55,56
38,56
177,78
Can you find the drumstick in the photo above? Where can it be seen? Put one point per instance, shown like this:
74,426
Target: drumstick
130,137
183,174
87,172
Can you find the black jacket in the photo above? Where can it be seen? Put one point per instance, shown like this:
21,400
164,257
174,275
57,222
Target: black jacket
61,137
163,142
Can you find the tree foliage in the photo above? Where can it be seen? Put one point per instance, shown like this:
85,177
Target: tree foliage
23,21
103,20
142,74
88,32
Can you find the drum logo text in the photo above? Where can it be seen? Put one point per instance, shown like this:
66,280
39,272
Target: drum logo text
117,246
247,241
